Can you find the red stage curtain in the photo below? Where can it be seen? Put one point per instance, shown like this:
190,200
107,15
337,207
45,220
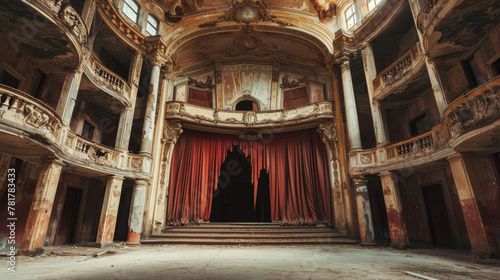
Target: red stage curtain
298,175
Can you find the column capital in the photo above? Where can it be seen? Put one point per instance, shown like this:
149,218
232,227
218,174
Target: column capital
141,183
114,177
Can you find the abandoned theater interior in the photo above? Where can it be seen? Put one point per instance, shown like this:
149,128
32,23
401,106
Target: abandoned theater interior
372,122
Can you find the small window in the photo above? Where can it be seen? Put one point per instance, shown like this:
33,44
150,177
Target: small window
131,10
418,125
88,130
152,27
350,16
372,4
6,78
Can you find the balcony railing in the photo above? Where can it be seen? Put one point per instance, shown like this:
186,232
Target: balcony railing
37,120
248,119
408,152
398,70
475,109
25,112
104,77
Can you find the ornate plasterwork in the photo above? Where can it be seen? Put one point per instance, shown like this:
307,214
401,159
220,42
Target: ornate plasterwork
199,84
73,21
171,132
328,131
246,12
285,83
472,111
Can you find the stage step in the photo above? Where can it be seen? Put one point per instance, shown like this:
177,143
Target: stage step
249,234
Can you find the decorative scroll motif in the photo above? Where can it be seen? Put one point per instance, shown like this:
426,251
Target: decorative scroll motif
171,132
285,83
328,131
73,21
246,11
474,110
199,84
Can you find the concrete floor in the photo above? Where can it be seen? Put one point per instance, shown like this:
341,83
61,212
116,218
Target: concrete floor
250,262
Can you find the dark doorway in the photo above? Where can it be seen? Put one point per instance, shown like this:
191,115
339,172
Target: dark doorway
67,225
379,214
121,229
247,105
233,199
263,202
437,215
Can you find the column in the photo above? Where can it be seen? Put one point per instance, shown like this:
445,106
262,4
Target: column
41,208
467,174
370,75
109,211
88,12
394,208
275,87
350,107
137,212
149,117
364,211
127,114
218,85
437,86
69,92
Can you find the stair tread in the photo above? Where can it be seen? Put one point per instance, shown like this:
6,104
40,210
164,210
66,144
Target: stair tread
249,235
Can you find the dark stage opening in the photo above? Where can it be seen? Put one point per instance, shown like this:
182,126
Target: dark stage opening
233,201
437,216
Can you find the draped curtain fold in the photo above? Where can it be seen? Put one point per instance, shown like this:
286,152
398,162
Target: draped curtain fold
299,180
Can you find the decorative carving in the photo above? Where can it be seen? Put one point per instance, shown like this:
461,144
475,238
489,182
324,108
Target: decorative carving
429,5
365,159
246,11
36,118
474,110
328,131
171,132
285,83
249,118
207,84
72,20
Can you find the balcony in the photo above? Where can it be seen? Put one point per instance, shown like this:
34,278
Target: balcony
288,119
475,112
399,73
114,20
34,129
106,80
424,148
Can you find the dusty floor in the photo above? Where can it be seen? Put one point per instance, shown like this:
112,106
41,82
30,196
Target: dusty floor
250,262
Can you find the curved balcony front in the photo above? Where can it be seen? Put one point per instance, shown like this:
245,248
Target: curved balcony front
122,28
399,74
36,26
228,121
474,119
32,129
106,80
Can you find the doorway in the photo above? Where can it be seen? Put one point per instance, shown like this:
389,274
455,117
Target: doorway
233,201
437,215
66,233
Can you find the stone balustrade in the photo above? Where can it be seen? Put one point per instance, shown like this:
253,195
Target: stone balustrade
32,118
193,114
62,12
398,71
105,79
478,108
405,153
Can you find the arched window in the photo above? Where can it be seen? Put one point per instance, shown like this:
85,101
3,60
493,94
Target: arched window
246,105
350,16
372,4
152,27
131,10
